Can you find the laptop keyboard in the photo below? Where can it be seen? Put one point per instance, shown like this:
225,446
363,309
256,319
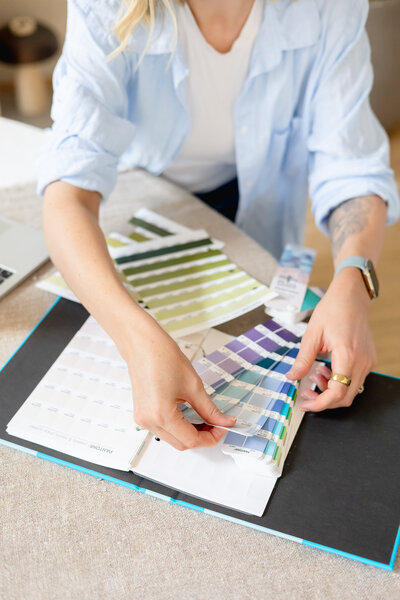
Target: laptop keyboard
5,274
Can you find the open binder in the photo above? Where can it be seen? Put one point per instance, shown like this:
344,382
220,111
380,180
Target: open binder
340,488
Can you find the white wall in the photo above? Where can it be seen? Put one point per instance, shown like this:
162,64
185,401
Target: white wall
52,13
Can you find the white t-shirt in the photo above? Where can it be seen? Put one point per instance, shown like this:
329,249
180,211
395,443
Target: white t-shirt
207,157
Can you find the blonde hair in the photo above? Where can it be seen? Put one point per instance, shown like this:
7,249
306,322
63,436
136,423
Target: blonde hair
133,13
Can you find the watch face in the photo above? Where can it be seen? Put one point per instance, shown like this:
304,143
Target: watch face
372,278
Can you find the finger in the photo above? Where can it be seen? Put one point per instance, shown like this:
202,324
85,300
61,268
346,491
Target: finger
308,395
167,437
205,407
324,371
191,437
320,381
337,394
309,349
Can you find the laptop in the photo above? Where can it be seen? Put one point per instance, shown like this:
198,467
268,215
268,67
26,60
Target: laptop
22,250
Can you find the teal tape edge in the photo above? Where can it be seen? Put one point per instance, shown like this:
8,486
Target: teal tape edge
367,561
18,447
395,549
30,333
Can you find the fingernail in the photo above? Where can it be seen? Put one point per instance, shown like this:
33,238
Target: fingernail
232,419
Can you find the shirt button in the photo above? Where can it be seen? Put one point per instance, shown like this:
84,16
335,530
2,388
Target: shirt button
249,184
244,129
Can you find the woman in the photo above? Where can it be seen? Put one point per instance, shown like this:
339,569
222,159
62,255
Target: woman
251,99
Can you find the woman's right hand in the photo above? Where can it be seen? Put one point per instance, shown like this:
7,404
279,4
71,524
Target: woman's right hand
161,377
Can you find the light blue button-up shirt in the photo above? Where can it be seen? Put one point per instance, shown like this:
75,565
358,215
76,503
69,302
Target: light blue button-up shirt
302,120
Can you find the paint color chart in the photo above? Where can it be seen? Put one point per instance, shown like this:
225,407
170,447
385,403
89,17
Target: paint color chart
179,275
187,283
146,225
246,378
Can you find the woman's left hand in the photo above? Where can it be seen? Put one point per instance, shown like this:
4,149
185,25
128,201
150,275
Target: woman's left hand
339,325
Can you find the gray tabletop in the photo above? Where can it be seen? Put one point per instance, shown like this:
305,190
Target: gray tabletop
65,534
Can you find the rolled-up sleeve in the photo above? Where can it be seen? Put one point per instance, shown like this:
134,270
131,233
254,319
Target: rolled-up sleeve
348,148
90,104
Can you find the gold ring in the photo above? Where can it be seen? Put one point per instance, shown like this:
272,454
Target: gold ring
341,378
360,389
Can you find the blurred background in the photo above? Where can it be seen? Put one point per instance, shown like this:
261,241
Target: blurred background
27,59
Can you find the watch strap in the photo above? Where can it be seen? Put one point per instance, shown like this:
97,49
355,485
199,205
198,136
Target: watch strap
352,261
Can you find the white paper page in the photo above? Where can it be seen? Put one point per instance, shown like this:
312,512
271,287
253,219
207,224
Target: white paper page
83,405
206,473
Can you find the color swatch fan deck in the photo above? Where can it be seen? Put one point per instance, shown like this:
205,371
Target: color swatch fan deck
247,379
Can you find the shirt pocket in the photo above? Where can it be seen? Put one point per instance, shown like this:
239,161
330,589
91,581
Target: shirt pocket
288,154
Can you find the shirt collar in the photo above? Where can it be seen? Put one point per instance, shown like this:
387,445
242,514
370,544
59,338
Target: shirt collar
286,25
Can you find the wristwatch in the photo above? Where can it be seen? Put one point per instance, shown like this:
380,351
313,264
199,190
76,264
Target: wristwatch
367,271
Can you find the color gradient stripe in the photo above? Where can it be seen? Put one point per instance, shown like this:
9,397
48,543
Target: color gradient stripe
162,264
149,227
188,283
162,251
138,237
180,273
204,303
198,291
114,243
212,314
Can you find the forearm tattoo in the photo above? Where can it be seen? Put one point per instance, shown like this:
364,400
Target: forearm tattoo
347,219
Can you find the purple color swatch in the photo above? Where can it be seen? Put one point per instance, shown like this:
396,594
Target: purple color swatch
288,336
250,355
199,368
210,378
218,383
216,357
253,335
235,346
230,366
271,325
268,345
